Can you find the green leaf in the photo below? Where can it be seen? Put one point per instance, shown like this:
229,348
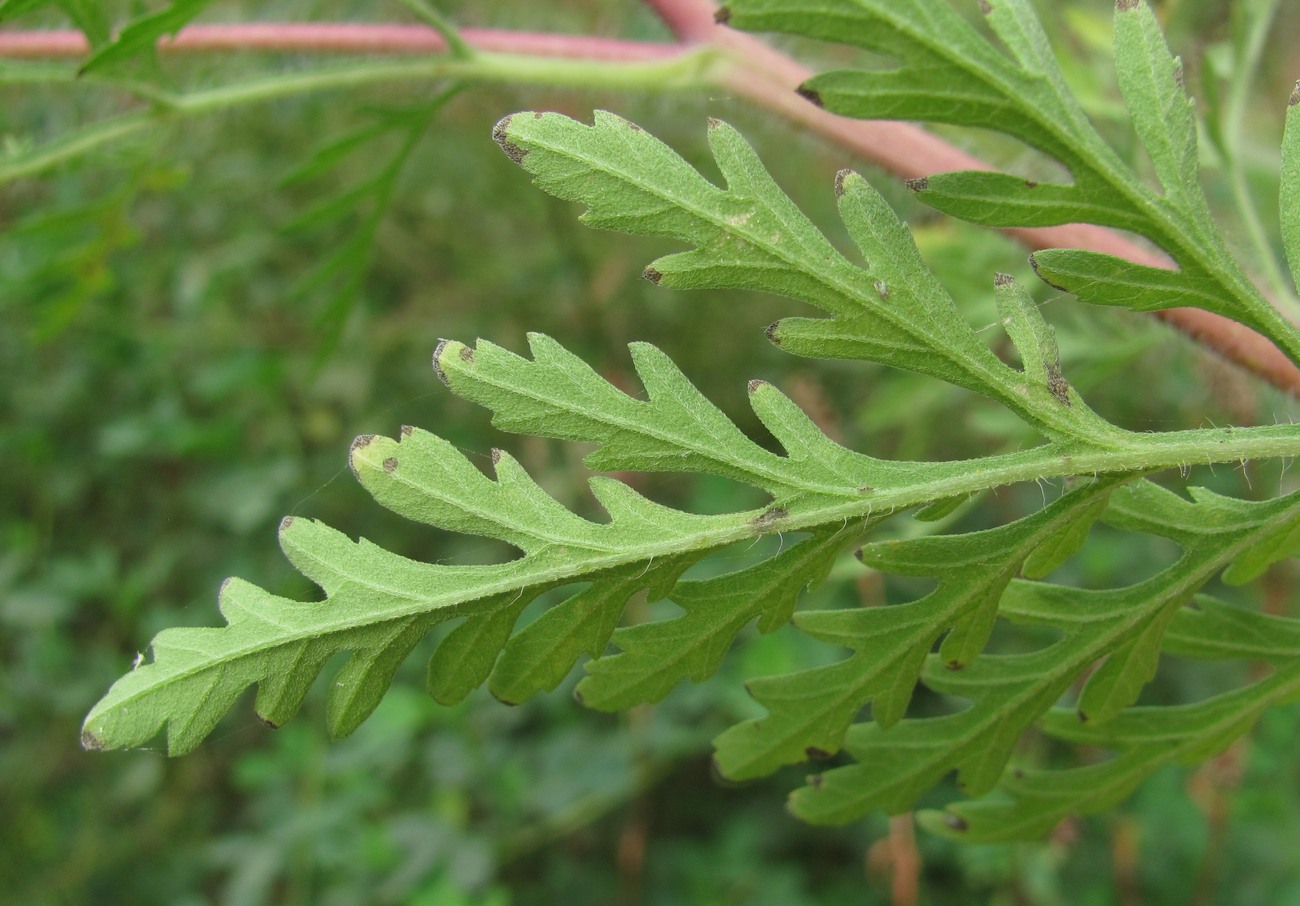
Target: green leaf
1003,200
1100,279
1289,199
142,33
1151,80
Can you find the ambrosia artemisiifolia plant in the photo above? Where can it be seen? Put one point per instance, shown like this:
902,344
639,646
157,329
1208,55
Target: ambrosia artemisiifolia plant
824,500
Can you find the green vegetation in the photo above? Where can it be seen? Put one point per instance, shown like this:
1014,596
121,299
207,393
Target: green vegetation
1060,604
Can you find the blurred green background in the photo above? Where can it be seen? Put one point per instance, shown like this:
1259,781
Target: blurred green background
192,331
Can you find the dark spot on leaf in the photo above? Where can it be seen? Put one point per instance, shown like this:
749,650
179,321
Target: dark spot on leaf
513,151
437,368
1018,773
815,781
652,275
986,7
865,489
634,127
882,289
1295,96
407,430
1003,279
1083,718
1057,384
817,754
722,16
858,553
714,122
918,185
954,665
1031,184
770,516
809,95
1033,262
285,523
839,182
496,455
91,743
537,114
770,332
1178,72
755,384
955,822
267,722
1123,6
466,354
390,464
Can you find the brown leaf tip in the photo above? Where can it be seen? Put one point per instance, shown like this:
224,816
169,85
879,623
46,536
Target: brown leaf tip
407,430
1124,6
816,754
1001,279
285,523
496,455
809,95
918,185
770,333
755,384
955,822
359,443
1295,96
390,464
986,7
92,743
652,275
839,182
722,16
268,723
437,367
513,151
714,122
466,354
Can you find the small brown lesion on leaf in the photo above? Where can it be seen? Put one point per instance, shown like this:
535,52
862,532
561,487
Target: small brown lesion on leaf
359,443
815,781
390,464
1031,184
722,16
466,354
1033,262
407,430
955,822
919,184
839,181
513,151
810,95
92,743
882,289
652,275
284,527
267,722
770,516
770,333
755,384
1295,96
1000,279
986,7
1057,384
816,754
1124,6
496,455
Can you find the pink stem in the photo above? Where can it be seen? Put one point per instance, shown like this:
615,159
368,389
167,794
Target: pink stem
346,38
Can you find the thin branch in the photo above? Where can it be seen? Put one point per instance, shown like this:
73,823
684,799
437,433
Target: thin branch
345,38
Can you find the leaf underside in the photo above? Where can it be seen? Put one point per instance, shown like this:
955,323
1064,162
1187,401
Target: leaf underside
822,499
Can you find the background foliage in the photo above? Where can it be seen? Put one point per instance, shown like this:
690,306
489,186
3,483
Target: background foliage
191,336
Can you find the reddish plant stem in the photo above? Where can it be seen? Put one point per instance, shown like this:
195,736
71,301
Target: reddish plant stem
352,38
761,74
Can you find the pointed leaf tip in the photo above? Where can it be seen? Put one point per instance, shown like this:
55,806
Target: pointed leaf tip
809,94
437,365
